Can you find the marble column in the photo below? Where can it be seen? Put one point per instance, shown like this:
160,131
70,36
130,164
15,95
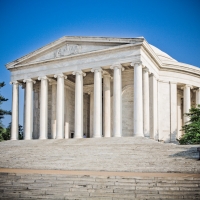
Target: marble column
79,104
29,109
60,106
15,111
106,105
173,112
153,101
138,100
97,118
146,102
186,101
43,108
179,116
24,113
53,114
67,117
117,100
91,113
198,96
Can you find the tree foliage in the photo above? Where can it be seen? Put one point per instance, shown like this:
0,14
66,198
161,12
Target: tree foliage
3,131
6,133
2,99
192,127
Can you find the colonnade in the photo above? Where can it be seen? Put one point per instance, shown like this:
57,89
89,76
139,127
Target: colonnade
141,118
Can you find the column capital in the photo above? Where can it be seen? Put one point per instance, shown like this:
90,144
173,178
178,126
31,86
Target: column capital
79,72
173,82
117,65
60,76
99,69
106,74
23,85
29,81
196,89
186,85
139,63
90,92
14,83
146,69
43,78
157,78
52,81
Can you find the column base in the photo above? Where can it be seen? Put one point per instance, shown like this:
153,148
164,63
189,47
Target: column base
138,135
43,138
97,137
117,136
13,138
59,138
78,137
146,134
27,138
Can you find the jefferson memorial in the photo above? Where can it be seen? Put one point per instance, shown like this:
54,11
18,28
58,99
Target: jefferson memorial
97,87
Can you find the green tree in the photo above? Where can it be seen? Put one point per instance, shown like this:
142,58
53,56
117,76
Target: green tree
7,133
192,127
2,112
2,99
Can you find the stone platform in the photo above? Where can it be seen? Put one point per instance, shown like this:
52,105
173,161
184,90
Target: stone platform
107,168
128,154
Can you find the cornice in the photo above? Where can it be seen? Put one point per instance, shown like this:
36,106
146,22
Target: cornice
90,53
169,65
124,43
58,42
181,67
180,71
151,54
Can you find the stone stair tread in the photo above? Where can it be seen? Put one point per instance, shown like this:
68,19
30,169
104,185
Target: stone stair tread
116,154
138,155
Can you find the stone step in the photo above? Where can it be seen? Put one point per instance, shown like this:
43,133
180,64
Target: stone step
111,154
118,155
61,186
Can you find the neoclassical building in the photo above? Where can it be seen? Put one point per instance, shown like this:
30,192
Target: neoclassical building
98,87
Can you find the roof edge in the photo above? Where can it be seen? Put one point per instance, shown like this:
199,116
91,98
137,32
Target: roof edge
75,39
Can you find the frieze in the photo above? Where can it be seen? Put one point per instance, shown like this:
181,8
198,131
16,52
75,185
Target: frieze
68,49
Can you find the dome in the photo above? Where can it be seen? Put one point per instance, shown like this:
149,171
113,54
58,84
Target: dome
162,55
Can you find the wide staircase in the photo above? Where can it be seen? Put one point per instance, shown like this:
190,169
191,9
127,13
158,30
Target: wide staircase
106,168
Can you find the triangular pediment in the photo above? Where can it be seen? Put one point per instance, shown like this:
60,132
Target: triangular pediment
69,46
72,48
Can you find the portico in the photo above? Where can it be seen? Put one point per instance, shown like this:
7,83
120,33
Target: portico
102,87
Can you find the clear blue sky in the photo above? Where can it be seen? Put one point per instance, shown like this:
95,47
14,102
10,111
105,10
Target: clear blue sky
26,25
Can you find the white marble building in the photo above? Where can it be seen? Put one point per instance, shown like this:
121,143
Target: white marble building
102,87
